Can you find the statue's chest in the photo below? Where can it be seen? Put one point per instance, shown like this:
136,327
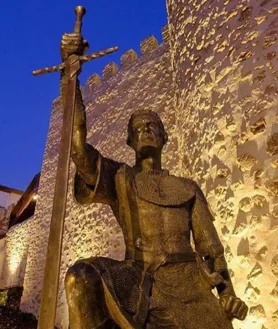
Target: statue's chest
153,219
161,189
154,202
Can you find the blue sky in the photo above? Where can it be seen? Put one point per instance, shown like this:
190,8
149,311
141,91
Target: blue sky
30,35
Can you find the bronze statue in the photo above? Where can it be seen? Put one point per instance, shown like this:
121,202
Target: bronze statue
163,282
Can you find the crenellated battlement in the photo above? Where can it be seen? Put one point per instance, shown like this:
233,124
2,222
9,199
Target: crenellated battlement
109,71
129,58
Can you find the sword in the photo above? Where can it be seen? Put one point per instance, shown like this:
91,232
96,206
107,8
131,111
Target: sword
53,258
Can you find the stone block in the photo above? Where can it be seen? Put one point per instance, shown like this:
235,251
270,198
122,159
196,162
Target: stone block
94,80
273,188
246,162
257,311
166,33
272,145
148,45
109,71
128,58
258,126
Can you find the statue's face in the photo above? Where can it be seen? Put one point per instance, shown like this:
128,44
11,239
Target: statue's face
147,134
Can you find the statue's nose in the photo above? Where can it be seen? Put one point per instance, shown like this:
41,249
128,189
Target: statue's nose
146,128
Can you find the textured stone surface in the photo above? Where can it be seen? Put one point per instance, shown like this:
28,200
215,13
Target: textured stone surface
4,218
272,144
258,126
94,80
274,292
128,58
224,57
148,45
3,221
272,187
274,266
109,71
246,162
16,254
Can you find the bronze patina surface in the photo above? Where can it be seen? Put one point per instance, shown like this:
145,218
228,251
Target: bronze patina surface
163,282
70,68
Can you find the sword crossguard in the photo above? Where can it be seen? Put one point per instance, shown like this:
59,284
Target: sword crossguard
83,59
80,11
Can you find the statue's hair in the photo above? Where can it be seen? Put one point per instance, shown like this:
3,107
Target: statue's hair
139,113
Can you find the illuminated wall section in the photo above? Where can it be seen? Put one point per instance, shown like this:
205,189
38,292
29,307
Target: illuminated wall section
16,254
224,55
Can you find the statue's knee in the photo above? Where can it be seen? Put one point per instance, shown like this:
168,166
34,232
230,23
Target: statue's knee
80,275
71,277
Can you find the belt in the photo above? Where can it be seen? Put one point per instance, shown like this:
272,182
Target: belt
152,261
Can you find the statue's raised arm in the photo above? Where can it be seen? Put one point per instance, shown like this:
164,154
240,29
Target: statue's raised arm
94,179
84,157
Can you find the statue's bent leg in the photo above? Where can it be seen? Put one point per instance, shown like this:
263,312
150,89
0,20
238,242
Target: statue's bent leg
85,296
161,319
182,299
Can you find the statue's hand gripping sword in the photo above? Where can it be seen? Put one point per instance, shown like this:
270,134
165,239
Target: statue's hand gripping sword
71,67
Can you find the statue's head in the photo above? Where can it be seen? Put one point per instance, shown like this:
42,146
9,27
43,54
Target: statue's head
146,132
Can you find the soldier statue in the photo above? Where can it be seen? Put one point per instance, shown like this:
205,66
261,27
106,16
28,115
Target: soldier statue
163,282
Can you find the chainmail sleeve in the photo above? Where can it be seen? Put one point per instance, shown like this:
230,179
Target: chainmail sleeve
207,242
103,191
94,178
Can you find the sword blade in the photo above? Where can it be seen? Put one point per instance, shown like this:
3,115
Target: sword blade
53,258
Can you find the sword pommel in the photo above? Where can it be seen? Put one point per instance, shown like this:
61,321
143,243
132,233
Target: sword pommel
80,11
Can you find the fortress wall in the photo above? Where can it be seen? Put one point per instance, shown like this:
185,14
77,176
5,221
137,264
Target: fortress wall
13,250
16,254
141,82
224,55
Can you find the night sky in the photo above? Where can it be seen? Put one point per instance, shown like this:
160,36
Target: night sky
30,36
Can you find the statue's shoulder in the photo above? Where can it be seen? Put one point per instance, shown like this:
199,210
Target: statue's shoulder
194,187
188,182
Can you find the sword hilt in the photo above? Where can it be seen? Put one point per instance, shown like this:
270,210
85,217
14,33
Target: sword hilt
80,11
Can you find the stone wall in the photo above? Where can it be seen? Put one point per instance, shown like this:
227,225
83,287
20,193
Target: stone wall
16,254
4,218
141,82
224,55
4,224
2,259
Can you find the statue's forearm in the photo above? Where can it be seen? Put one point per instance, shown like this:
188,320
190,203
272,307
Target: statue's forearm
218,270
85,158
226,287
208,244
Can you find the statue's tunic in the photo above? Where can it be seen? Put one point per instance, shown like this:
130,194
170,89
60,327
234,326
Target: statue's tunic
161,283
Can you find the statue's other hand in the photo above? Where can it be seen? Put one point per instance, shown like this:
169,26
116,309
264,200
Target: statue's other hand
73,43
234,306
